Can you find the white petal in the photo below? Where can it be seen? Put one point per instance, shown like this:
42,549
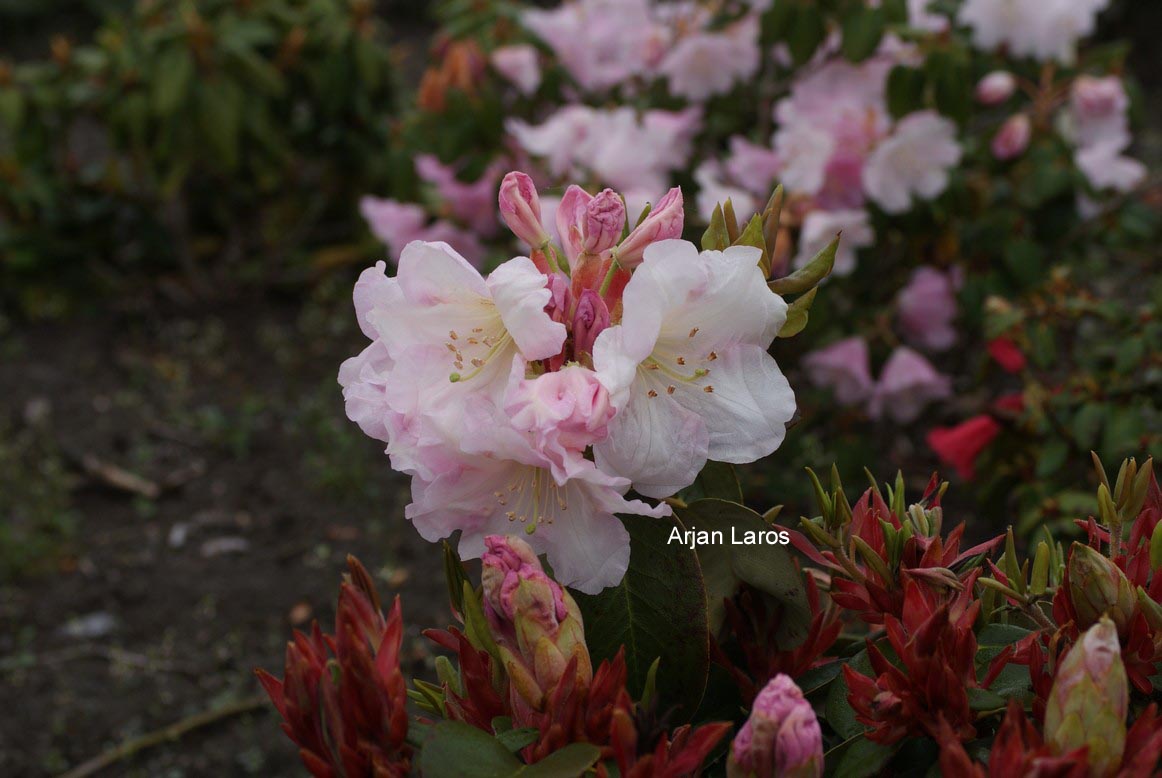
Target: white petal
520,293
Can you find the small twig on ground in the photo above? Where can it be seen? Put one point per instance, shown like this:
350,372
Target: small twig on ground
119,478
174,731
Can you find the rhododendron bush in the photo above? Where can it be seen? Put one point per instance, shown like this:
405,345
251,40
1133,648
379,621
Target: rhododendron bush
971,152
574,419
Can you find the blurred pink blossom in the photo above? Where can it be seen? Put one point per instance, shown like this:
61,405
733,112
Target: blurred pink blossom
907,384
1013,137
473,204
926,309
995,88
518,64
844,368
913,161
704,64
820,228
1042,29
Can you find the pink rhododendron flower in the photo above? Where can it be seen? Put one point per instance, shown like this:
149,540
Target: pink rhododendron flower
520,207
1098,123
665,221
600,42
617,147
1013,137
907,383
960,446
914,161
995,88
781,737
519,65
714,190
398,224
472,204
926,308
821,227
753,167
589,224
1042,29
563,412
1107,168
688,367
502,485
844,367
704,64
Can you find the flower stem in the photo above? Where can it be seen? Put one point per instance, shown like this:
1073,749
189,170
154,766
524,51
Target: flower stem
608,280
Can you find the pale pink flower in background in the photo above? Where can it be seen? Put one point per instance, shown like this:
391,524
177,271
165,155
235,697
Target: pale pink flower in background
907,384
844,367
617,147
703,64
920,17
504,485
1107,168
820,228
518,64
688,367
1013,137
563,413
1041,29
396,224
913,161
549,206
996,87
751,166
601,43
473,204
926,309
781,736
714,190
1099,111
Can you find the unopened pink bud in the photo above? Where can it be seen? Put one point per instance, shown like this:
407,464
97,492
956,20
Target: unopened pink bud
558,305
604,221
591,318
781,737
1013,137
665,221
520,207
996,87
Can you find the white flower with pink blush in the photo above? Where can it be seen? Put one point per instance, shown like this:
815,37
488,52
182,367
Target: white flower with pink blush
601,43
703,64
519,65
913,162
688,367
1041,29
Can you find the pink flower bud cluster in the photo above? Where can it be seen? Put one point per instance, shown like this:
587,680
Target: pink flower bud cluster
781,738
531,400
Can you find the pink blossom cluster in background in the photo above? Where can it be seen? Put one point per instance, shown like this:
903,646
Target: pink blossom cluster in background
536,396
835,150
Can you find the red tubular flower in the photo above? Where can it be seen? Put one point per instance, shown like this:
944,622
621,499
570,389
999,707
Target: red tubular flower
348,714
1006,354
935,643
960,446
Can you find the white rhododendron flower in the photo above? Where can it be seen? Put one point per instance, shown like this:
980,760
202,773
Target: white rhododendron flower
688,367
913,162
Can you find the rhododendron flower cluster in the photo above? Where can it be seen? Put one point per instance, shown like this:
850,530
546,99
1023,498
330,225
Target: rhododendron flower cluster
907,383
534,398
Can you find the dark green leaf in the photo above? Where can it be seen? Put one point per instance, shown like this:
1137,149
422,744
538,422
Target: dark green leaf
807,31
905,90
718,480
456,750
768,568
863,758
838,711
658,610
862,32
572,761
516,739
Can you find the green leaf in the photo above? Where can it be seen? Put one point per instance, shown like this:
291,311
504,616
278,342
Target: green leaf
753,234
220,106
1087,423
797,315
456,750
516,739
808,276
173,75
863,758
1052,458
658,610
768,568
717,479
806,32
862,33
949,75
905,90
12,106
572,761
985,700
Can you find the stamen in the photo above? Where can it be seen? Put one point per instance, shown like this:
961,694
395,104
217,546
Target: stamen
681,360
452,334
708,389
652,393
693,332
671,389
713,355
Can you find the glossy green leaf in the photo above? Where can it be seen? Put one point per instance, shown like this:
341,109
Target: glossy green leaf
838,711
768,567
456,750
658,610
863,759
862,32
